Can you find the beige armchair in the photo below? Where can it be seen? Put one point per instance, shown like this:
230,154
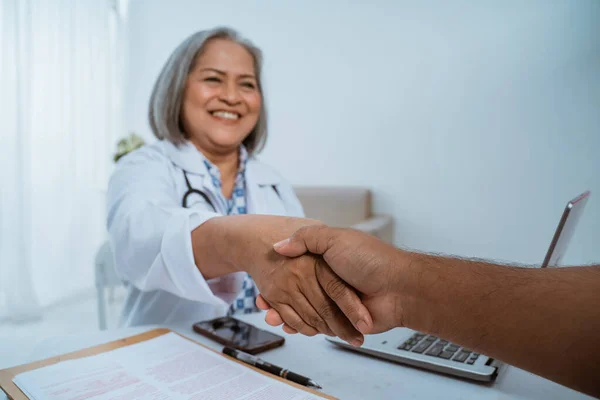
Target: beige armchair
345,207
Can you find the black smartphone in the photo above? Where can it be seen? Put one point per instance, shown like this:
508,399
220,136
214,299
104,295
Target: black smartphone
234,333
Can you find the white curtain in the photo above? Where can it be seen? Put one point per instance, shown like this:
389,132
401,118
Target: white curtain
60,68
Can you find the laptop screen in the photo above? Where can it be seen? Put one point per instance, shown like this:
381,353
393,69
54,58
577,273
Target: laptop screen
564,231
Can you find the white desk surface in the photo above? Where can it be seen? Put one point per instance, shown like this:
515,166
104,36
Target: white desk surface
342,373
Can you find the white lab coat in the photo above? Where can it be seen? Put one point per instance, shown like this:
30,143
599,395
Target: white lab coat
150,231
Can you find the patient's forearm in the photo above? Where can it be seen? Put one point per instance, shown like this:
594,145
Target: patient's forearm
546,321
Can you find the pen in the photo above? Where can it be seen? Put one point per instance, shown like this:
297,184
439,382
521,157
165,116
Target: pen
270,368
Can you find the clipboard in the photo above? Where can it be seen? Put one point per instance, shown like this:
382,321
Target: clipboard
14,393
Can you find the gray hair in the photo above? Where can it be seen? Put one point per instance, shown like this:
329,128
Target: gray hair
165,101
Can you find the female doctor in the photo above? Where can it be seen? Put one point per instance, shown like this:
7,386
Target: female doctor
193,217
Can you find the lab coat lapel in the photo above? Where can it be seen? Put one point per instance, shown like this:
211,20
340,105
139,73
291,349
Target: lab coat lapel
258,178
187,157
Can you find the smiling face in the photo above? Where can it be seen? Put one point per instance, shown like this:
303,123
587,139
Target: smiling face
221,101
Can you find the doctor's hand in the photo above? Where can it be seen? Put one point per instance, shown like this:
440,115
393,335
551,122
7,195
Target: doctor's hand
289,285
364,262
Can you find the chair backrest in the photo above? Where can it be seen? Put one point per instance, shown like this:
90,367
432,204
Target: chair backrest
335,206
106,274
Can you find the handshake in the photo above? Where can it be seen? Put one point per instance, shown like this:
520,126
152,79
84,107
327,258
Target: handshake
317,279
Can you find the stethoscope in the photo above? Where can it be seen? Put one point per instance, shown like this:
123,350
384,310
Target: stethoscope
191,191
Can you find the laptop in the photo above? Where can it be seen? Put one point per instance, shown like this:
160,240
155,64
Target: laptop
410,347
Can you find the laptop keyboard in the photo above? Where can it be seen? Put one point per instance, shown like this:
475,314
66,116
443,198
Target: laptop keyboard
422,343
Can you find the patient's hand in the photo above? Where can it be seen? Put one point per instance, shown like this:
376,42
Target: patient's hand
361,260
289,285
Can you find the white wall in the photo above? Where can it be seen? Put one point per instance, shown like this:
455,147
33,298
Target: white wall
473,122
